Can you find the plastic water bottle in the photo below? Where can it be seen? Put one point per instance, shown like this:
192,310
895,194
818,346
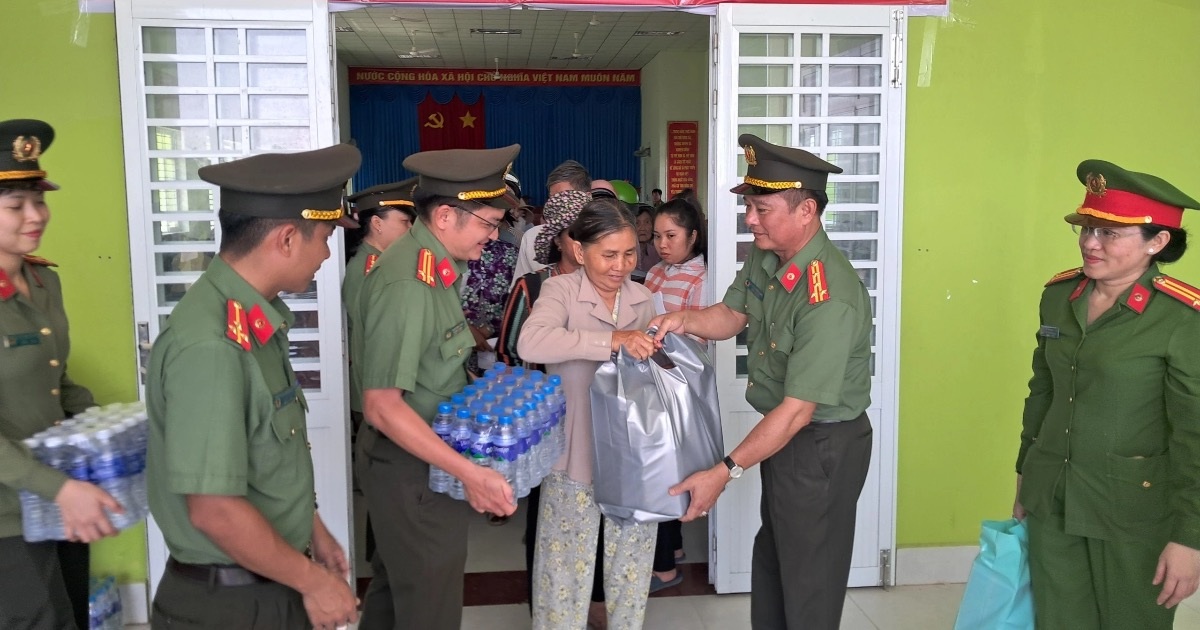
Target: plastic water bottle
523,474
504,451
439,480
470,393
104,463
33,507
458,400
460,440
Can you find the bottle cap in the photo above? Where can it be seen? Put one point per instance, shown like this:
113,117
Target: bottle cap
445,408
506,420
518,371
464,414
555,379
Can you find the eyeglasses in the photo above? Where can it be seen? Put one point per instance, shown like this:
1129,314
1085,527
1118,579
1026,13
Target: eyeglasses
1102,234
495,226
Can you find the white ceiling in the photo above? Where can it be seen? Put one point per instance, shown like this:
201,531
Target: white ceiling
381,34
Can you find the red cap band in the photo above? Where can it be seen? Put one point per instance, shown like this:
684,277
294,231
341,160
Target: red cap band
1127,207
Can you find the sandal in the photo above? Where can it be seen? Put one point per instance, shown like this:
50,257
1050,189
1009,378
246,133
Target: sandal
657,584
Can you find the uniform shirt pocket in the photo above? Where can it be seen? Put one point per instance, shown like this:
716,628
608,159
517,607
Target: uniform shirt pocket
456,344
1138,486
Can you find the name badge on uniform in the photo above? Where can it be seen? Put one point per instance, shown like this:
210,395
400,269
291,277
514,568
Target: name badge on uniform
1049,332
457,329
753,288
21,339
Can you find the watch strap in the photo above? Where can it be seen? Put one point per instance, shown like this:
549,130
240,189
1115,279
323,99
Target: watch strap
729,463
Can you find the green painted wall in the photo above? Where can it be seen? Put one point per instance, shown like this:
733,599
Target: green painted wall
1004,100
74,88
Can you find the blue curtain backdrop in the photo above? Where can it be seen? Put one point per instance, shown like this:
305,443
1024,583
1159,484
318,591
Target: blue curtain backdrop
598,126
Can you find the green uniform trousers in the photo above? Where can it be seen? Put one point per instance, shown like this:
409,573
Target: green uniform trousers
191,604
1089,584
802,552
420,543
32,593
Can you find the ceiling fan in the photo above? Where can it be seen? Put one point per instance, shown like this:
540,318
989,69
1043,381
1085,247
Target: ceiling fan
414,53
574,56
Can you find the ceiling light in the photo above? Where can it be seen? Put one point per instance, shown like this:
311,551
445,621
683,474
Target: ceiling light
495,31
657,33
343,29
594,22
418,55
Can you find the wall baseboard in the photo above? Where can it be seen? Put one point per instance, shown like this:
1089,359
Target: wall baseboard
934,565
135,603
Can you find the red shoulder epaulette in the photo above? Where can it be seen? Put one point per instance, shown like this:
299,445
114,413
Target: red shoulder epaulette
425,267
1069,274
818,290
1181,291
235,327
370,264
38,260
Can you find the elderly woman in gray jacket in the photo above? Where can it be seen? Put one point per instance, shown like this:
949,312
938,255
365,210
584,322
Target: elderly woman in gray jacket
579,320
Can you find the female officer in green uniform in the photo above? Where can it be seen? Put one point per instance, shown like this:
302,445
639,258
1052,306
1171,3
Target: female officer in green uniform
1108,472
38,581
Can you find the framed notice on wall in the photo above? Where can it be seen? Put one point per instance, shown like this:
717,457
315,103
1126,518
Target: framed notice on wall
682,148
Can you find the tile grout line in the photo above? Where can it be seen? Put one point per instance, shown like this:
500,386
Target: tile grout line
850,596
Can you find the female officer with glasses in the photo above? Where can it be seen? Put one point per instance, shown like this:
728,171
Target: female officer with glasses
1108,472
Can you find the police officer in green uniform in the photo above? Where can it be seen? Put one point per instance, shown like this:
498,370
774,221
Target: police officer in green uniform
1108,472
809,374
228,469
418,342
42,585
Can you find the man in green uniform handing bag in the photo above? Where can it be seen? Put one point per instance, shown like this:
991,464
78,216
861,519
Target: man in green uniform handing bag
409,353
229,473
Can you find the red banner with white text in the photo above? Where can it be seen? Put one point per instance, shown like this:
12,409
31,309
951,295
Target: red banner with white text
454,125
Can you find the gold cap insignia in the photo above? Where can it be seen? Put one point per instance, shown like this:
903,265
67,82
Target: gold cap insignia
1096,184
27,149
750,159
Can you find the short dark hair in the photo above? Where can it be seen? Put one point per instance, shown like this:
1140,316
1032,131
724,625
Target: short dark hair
688,218
796,196
425,203
573,173
657,190
241,233
599,218
22,185
644,208
365,216
1175,247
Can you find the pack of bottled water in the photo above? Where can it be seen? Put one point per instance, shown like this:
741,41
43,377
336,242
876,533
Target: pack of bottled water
511,420
105,446
104,604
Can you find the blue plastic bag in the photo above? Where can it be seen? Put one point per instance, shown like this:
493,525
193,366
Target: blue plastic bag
997,596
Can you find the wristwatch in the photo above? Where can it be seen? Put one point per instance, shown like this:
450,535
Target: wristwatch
735,471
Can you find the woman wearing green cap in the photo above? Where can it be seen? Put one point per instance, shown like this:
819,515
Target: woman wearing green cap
1108,472
40,581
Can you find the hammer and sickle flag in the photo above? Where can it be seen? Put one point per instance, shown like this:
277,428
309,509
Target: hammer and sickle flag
451,125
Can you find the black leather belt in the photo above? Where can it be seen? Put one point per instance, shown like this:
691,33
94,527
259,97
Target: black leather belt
216,574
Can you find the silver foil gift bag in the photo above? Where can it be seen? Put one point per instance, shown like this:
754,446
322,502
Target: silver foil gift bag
654,423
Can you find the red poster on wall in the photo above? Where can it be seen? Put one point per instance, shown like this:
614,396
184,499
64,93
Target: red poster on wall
682,153
454,125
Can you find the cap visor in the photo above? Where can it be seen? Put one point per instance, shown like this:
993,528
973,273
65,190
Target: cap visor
45,184
750,189
507,201
347,222
1089,221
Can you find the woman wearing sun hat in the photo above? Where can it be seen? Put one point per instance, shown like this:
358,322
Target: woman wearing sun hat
1108,471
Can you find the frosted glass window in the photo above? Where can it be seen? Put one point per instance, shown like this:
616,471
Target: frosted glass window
229,138
854,104
179,138
764,76
856,163
188,106
855,46
181,200
870,75
775,134
853,192
810,135
765,44
763,105
810,45
176,169
279,139
226,41
185,232
172,41
858,250
176,74
285,75
851,221
854,135
229,106
810,105
276,43
228,74
182,262
274,106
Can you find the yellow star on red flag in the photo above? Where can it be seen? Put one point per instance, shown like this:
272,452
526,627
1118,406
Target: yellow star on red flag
468,120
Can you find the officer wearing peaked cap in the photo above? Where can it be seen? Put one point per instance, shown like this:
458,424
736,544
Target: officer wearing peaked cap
809,374
1108,470
410,365
229,474
45,581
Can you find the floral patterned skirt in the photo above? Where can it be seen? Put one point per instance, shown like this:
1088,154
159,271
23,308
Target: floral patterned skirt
564,561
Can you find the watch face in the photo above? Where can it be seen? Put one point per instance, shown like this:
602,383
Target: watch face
735,472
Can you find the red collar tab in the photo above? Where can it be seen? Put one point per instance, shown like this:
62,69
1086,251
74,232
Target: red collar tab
260,325
790,277
446,272
7,288
1063,276
425,263
1079,289
1126,207
818,289
371,258
1139,297
235,327
1181,291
